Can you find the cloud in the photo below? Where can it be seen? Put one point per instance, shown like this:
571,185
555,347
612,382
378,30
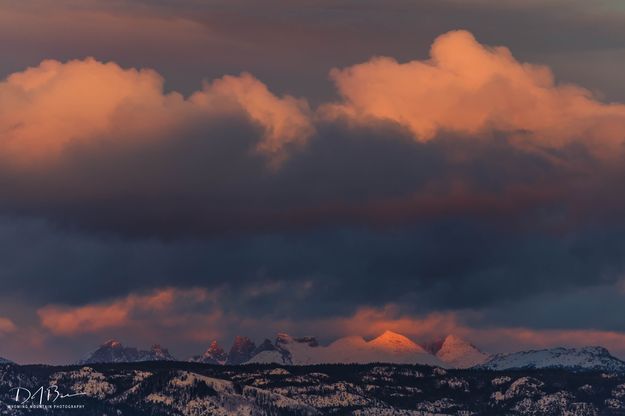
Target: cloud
121,313
6,326
44,109
286,120
472,89
49,108
180,186
97,146
370,322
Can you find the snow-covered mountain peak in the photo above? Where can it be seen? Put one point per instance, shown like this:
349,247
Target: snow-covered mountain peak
397,343
460,353
453,339
455,343
579,359
112,343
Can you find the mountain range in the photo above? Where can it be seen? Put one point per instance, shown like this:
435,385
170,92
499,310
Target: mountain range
113,351
390,347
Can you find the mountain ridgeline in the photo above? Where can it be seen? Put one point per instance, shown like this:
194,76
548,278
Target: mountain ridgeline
389,375
390,347
113,351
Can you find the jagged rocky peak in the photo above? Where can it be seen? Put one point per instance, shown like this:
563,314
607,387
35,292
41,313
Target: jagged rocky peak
215,351
241,351
158,353
112,351
214,354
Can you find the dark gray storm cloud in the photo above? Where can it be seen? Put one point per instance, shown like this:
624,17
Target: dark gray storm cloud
361,216
204,181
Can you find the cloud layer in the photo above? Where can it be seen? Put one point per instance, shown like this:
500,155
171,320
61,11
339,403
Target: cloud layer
118,314
431,194
98,146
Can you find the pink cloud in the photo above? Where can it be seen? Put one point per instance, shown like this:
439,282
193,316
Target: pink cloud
47,108
464,87
120,313
286,120
6,326
473,89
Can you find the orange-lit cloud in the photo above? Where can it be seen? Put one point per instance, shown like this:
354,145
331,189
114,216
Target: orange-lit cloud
64,320
465,87
370,322
47,109
6,326
469,88
286,120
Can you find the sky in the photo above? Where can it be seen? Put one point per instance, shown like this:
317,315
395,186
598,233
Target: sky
180,171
